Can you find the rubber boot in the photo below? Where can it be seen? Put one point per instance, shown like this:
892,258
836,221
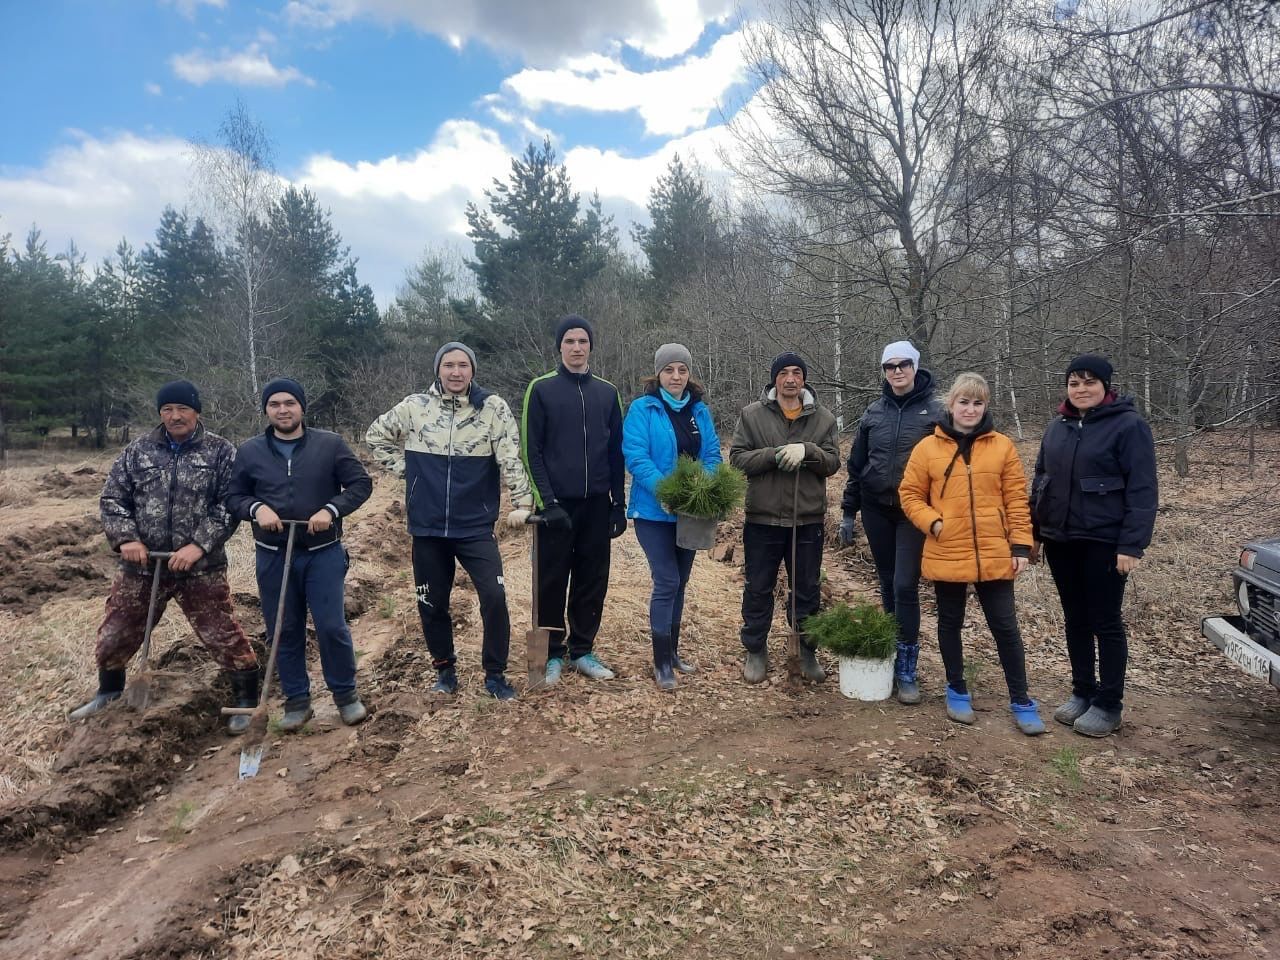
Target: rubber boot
1097,722
662,666
755,667
297,711
810,668
244,691
1026,717
1072,710
110,686
681,666
350,710
906,687
960,706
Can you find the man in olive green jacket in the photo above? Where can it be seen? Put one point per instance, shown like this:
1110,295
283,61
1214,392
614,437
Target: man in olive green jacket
787,445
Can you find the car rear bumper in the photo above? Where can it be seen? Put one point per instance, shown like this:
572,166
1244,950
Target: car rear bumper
1228,635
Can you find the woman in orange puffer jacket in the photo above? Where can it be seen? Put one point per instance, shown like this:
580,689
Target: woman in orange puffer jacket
965,488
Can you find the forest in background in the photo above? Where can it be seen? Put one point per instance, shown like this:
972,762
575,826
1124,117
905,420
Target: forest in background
1005,184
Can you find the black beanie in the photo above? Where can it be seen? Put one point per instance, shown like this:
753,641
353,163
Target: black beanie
787,360
574,322
179,391
1093,363
284,385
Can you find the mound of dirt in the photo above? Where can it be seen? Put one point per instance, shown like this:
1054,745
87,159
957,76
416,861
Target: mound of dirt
82,481
63,558
115,759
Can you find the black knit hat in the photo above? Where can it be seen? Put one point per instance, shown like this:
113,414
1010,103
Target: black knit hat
1093,363
284,385
787,360
574,322
179,391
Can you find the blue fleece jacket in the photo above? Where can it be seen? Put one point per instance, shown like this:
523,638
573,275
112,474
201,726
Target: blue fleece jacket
649,447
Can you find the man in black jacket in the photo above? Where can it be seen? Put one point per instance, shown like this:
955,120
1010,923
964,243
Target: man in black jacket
292,472
571,442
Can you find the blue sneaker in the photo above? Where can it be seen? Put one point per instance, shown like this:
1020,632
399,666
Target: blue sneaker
590,666
554,666
446,682
498,688
960,706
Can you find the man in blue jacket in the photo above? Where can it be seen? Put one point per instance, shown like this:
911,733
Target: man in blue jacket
571,440
294,472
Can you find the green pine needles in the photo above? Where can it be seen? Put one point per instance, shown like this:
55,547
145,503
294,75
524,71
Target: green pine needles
691,490
864,631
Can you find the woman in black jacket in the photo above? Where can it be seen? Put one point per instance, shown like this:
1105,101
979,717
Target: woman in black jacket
1093,507
904,413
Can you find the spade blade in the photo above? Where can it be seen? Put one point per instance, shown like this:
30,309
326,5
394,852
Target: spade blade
251,760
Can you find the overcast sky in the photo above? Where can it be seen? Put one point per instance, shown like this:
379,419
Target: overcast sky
394,112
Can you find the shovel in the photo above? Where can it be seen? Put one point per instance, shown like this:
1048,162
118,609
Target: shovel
139,693
793,638
537,641
253,745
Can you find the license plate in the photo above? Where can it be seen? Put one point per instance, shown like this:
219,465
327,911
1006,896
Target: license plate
1250,661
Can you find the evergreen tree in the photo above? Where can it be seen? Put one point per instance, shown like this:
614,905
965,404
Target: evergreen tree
684,237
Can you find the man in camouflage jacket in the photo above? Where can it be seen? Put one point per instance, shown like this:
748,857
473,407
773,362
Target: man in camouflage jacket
450,444
165,493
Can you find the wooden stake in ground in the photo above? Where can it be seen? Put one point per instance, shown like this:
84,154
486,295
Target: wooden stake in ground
253,746
139,693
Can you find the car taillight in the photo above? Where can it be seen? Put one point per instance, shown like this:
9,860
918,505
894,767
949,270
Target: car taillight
1247,557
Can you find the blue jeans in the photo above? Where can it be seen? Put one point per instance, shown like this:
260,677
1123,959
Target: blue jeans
315,583
670,567
896,547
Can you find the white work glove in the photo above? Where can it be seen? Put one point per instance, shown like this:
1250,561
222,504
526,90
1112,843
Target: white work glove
790,456
518,517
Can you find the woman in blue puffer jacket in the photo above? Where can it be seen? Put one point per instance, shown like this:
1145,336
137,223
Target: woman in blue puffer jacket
667,420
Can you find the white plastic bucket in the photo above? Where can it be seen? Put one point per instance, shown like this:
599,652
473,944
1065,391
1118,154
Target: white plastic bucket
863,679
695,533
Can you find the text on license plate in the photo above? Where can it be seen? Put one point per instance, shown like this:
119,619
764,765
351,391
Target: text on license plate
1250,661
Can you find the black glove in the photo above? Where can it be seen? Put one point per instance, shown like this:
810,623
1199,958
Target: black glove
848,530
617,521
556,518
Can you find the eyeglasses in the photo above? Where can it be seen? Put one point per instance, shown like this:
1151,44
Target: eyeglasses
896,367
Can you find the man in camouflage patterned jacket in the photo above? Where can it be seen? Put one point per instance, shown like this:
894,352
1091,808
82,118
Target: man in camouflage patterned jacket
165,493
450,444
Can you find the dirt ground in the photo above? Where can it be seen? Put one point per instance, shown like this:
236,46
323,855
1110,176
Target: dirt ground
607,819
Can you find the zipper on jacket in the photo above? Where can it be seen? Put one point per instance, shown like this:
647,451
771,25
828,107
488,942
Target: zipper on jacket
585,471
173,484
448,471
973,519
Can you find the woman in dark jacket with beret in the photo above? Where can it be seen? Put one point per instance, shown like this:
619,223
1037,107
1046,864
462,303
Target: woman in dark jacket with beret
1093,508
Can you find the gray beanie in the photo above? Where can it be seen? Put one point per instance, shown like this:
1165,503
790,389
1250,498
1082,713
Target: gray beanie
454,345
671,353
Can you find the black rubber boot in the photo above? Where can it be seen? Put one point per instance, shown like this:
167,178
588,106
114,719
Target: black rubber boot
809,665
662,671
244,691
680,666
110,686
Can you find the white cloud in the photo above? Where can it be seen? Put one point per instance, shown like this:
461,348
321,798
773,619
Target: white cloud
188,8
153,88
541,31
249,68
671,101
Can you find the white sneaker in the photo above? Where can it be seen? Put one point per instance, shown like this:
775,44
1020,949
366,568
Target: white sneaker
589,666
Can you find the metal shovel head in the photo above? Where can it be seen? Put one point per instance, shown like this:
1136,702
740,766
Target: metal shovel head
536,644
138,694
251,760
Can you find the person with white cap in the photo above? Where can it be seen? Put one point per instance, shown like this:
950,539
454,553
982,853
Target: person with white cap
450,444
905,413
667,421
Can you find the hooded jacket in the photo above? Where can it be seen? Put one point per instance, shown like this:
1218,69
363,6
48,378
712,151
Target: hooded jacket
571,438
450,451
976,486
649,447
887,433
323,474
761,429
1095,477
168,495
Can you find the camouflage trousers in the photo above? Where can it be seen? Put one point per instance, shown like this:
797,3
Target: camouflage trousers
204,597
